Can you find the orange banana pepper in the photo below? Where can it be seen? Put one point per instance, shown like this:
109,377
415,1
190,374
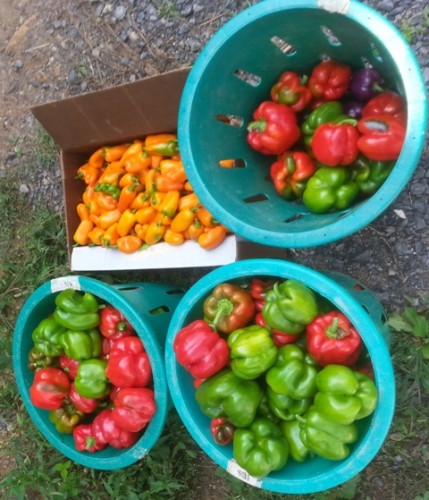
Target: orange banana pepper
182,220
213,237
127,196
137,163
194,231
97,159
205,217
145,214
141,230
173,169
105,201
108,218
155,233
114,153
88,173
129,243
164,183
170,203
173,238
96,235
190,201
83,229
82,211
126,222
110,236
141,201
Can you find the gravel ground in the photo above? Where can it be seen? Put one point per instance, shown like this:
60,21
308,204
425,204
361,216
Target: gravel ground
54,50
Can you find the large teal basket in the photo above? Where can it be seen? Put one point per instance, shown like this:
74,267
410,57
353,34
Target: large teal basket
149,308
366,314
234,73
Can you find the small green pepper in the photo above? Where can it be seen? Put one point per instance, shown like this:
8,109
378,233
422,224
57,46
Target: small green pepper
369,175
47,337
81,345
292,432
91,380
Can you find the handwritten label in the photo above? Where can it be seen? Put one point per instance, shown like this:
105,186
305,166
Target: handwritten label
65,282
235,470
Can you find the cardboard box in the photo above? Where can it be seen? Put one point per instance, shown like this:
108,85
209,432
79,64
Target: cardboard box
81,124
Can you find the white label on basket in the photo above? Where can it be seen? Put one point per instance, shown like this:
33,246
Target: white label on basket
235,470
64,283
340,6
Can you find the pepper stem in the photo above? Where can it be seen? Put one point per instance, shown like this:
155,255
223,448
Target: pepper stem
334,331
259,125
224,307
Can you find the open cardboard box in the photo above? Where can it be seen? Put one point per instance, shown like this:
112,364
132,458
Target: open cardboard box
81,124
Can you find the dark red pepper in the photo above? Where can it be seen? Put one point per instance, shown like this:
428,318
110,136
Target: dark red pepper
386,103
133,408
331,339
200,350
290,90
274,129
106,431
222,431
258,289
280,338
382,137
81,403
69,366
84,439
329,80
291,172
113,324
49,388
335,144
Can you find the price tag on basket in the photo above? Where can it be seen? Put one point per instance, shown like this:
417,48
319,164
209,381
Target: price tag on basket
64,283
235,470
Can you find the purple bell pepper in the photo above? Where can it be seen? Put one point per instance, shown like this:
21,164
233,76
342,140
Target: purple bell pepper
353,109
365,84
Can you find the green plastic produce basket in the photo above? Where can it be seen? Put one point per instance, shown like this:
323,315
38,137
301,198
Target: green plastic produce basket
234,73
364,311
149,308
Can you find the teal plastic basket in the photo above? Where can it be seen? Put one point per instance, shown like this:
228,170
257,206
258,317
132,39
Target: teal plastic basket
234,73
149,308
365,312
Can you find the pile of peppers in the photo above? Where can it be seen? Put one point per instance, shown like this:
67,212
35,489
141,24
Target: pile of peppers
336,133
91,373
137,195
281,374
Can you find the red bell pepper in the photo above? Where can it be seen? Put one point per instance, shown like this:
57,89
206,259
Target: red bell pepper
113,324
274,129
49,388
290,90
330,80
382,137
81,403
84,439
258,289
280,338
128,364
133,408
69,365
107,431
335,144
222,431
331,339
200,350
386,103
291,172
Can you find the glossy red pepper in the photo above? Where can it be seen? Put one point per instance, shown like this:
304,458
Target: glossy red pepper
386,103
222,431
290,90
106,431
84,439
81,403
332,339
134,408
200,350
280,338
291,172
335,144
330,80
274,129
382,137
258,289
128,364
49,388
113,324
69,365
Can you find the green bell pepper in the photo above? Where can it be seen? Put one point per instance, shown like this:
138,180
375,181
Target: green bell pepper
47,337
328,112
81,345
289,307
264,409
324,437
226,395
91,380
252,351
369,175
76,310
344,395
286,408
292,432
329,189
261,448
293,374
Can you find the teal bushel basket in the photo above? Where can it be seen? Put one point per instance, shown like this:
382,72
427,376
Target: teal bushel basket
234,73
364,311
149,308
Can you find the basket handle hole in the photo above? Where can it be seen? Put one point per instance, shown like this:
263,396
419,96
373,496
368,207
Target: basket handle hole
376,53
232,120
294,218
330,36
232,163
283,46
247,77
159,310
256,198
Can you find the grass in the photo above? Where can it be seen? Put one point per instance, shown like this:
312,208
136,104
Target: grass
34,243
410,29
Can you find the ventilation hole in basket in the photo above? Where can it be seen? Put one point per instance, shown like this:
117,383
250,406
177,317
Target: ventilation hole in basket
330,36
283,46
247,77
159,310
294,218
233,120
376,53
175,291
358,287
232,163
256,198
365,62
366,309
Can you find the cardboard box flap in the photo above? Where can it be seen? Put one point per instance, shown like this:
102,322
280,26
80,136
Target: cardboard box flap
128,111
